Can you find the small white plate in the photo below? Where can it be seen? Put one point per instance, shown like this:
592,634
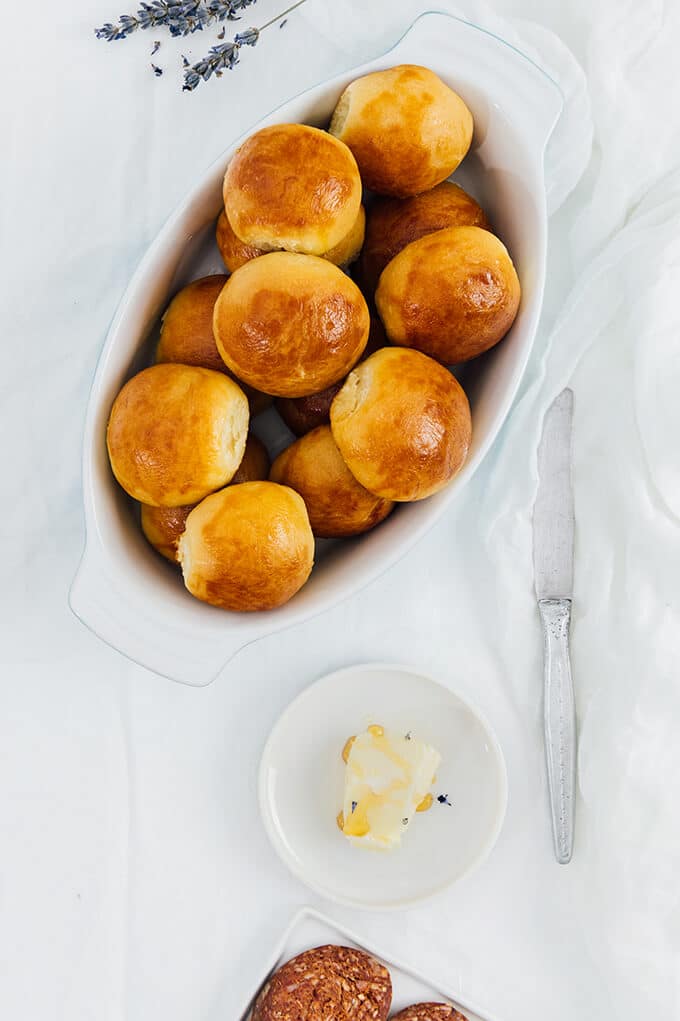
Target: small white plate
302,775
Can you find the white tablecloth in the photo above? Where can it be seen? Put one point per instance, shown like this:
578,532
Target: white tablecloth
135,878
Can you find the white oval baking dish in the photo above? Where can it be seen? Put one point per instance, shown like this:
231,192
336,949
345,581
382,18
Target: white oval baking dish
127,594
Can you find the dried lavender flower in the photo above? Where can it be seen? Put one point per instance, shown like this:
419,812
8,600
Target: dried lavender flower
180,17
158,71
247,38
156,47
225,56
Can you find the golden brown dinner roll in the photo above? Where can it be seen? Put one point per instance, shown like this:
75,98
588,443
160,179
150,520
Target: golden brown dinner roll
452,295
393,223
235,253
402,424
338,983
186,326
290,324
336,503
302,414
187,334
248,547
429,1012
293,187
407,129
176,433
163,526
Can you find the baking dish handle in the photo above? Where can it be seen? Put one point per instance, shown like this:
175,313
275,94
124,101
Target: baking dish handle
194,655
530,96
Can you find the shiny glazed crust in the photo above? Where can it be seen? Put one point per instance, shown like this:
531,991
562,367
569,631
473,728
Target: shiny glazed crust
402,424
407,129
302,414
163,526
429,1012
452,295
336,503
176,433
290,325
248,547
235,253
186,326
394,223
326,984
294,187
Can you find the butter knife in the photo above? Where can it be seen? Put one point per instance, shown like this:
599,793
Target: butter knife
553,578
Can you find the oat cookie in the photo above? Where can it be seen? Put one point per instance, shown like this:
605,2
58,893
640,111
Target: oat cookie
328,983
429,1012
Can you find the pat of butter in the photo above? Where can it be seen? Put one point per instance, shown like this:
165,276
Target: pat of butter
386,778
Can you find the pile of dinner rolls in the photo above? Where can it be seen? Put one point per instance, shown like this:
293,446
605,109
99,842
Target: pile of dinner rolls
357,365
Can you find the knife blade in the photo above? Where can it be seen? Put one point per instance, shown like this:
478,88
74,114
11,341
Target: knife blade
553,528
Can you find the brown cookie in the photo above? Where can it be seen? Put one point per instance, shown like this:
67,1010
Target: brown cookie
328,983
429,1012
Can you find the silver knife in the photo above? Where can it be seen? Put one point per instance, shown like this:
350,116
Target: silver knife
553,578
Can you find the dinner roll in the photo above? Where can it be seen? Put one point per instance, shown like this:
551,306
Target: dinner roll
248,547
187,333
452,295
402,424
186,326
302,414
176,433
235,253
294,187
327,983
336,503
407,129
290,324
393,223
163,526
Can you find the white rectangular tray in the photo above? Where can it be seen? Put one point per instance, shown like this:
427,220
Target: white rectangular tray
310,929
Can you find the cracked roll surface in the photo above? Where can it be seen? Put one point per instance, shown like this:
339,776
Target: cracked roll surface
392,224
337,504
176,433
407,129
290,325
248,547
452,295
402,424
163,526
429,1012
329,983
294,187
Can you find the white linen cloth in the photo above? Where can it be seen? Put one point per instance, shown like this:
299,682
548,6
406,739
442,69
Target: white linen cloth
136,881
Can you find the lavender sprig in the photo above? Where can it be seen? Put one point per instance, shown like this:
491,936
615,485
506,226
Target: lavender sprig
180,17
225,56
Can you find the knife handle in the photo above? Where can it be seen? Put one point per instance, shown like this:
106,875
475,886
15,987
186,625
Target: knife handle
560,723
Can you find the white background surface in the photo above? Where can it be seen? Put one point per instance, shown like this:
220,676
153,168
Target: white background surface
136,881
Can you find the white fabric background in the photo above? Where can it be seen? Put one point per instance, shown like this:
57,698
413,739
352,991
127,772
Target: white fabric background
135,879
